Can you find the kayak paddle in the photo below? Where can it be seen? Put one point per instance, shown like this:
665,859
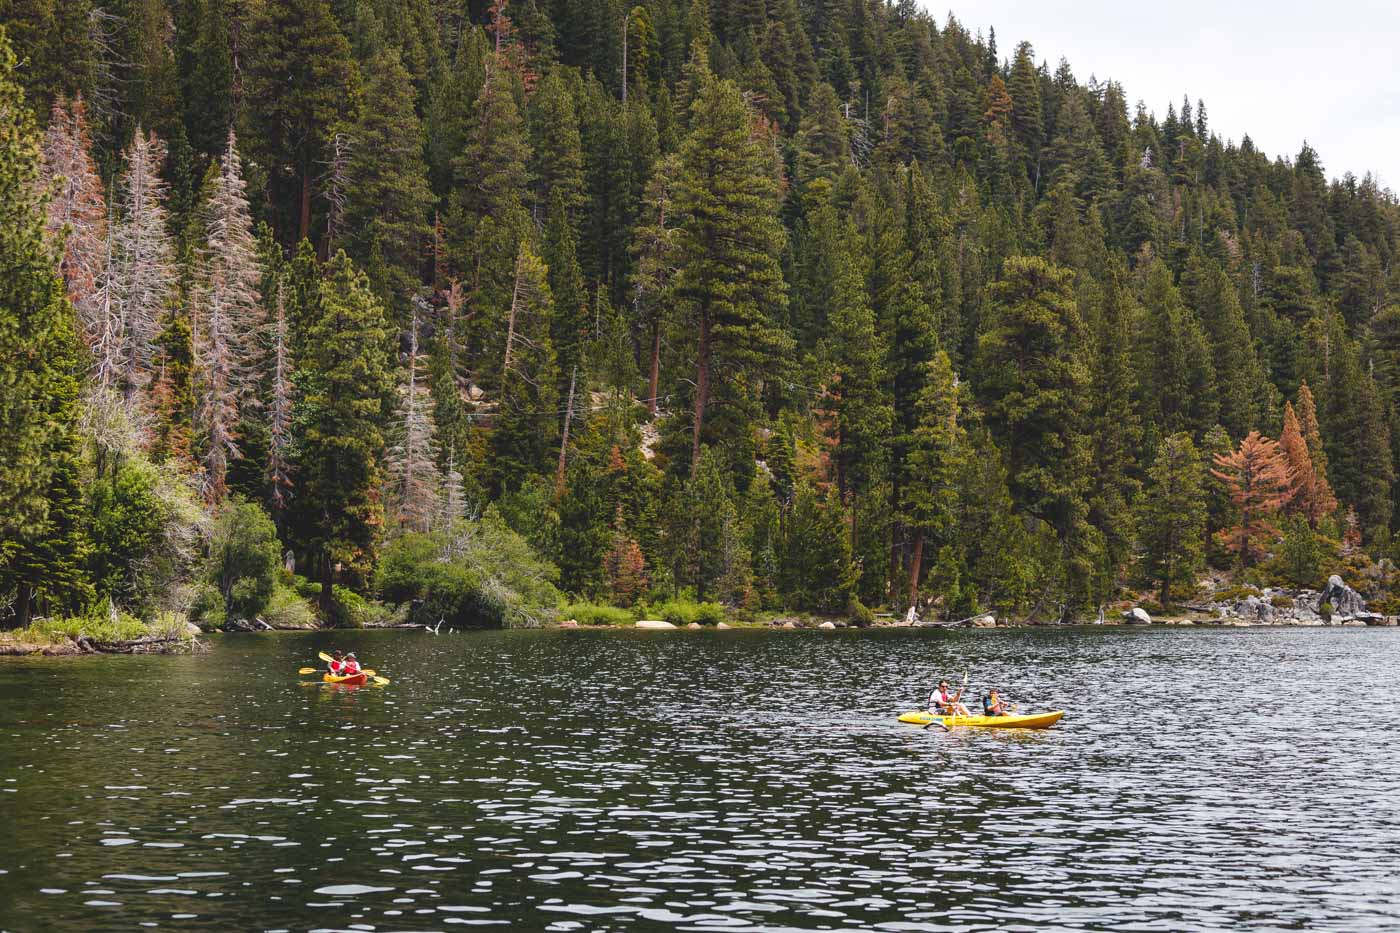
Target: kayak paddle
307,670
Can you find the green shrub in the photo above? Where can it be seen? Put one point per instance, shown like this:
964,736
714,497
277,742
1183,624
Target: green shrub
287,609
858,613
1151,607
587,613
1281,602
244,558
710,613
478,574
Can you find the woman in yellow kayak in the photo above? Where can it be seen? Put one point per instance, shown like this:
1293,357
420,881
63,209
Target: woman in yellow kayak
947,704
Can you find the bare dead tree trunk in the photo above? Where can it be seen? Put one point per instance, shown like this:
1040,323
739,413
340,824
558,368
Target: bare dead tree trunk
702,389
564,441
654,378
510,326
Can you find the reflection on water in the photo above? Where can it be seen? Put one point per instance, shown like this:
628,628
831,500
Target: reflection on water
749,781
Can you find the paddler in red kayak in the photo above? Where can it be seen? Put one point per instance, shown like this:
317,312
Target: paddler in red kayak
336,663
350,666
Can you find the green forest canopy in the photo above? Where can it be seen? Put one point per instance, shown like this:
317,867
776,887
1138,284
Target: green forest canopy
780,303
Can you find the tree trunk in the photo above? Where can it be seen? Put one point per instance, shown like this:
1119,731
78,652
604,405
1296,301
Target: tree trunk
24,604
916,566
702,390
327,589
654,379
304,227
564,441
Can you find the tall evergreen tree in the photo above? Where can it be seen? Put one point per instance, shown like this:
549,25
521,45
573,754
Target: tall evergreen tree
859,401
340,444
300,72
937,449
41,549
1172,517
728,243
388,201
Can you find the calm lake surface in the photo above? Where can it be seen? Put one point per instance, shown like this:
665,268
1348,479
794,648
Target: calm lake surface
751,781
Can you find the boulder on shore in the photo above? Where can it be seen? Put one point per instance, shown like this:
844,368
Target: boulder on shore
724,626
1137,616
654,624
987,621
694,625
569,623
827,625
1346,602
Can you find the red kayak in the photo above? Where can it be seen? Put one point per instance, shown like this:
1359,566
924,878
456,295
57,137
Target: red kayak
352,679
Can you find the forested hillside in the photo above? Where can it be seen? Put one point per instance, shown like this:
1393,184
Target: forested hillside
784,304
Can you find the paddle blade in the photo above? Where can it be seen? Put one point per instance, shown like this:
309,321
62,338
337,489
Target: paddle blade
324,657
381,681
306,670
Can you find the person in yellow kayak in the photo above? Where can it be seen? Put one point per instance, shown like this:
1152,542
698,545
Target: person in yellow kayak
351,666
336,664
944,703
993,704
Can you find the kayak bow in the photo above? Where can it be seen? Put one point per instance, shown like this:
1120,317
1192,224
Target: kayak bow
920,717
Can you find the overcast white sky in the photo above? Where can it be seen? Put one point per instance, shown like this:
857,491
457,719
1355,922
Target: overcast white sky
1282,72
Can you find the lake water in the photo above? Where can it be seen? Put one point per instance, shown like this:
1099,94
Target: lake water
751,781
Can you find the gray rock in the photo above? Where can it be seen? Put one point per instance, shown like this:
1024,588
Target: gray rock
1346,602
694,625
654,624
723,626
1254,611
1137,616
569,623
827,625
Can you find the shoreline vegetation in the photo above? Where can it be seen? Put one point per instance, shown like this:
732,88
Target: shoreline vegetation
316,316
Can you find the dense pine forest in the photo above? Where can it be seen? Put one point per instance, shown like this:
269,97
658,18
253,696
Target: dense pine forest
316,308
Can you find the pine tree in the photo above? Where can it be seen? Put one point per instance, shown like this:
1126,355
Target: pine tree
1258,479
228,317
388,201
41,546
1238,375
937,449
1115,428
416,486
340,443
569,323
172,394
1033,375
556,164
1172,517
300,72
524,442
653,271
1175,360
728,242
858,398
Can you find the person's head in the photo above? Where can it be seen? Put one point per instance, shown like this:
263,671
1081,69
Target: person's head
943,685
351,655
338,655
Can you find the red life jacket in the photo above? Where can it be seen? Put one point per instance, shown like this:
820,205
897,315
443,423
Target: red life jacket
336,667
351,666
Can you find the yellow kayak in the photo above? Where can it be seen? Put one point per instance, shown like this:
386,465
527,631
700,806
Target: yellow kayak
921,717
